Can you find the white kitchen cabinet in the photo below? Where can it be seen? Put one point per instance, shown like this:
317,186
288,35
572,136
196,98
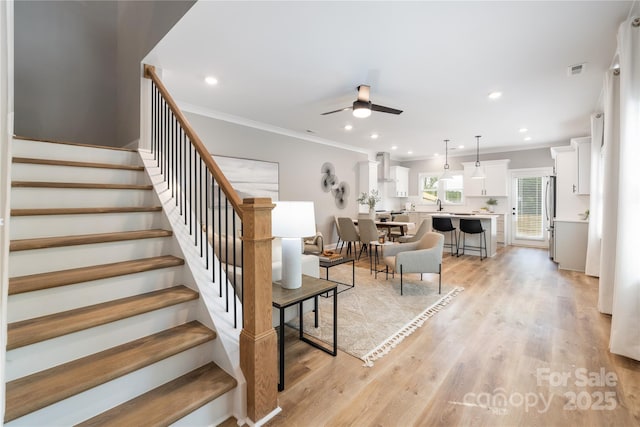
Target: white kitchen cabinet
570,244
569,203
583,163
495,182
400,178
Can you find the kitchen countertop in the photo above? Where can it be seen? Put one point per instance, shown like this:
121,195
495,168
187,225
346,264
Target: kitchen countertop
458,215
583,221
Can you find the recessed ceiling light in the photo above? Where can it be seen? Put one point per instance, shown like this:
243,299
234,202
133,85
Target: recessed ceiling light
374,136
460,147
527,138
394,147
348,127
436,155
523,130
409,152
495,95
210,80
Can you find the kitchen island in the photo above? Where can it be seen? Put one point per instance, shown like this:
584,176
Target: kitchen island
488,222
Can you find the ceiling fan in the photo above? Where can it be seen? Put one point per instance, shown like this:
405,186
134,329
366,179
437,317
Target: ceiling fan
362,107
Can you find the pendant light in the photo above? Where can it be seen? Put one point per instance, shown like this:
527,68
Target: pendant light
477,173
446,176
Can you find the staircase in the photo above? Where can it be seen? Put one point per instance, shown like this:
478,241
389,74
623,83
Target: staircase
104,325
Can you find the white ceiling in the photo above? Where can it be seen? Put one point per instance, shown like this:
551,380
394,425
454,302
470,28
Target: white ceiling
281,64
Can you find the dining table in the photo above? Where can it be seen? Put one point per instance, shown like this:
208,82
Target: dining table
388,225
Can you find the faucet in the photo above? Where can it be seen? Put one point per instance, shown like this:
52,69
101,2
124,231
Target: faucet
439,203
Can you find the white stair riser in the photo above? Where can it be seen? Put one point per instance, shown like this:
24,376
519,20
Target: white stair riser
29,197
209,414
28,359
53,173
22,263
33,226
46,150
62,298
99,399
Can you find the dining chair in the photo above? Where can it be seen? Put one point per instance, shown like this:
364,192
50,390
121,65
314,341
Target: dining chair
349,233
396,232
368,233
335,220
424,227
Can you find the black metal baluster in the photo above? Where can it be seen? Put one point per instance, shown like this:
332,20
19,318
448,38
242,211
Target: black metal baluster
206,221
201,207
220,240
235,263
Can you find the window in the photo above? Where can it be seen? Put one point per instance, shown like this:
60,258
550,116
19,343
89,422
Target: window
449,191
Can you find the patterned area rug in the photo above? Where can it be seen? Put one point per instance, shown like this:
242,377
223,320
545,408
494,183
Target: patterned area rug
372,317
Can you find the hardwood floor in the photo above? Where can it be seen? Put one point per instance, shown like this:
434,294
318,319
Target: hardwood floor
494,357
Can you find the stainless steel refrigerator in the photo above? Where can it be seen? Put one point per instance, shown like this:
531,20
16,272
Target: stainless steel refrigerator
550,212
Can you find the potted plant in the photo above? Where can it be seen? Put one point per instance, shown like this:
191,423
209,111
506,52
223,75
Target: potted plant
491,203
370,200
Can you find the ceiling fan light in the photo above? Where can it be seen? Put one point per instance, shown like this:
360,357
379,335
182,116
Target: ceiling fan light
361,109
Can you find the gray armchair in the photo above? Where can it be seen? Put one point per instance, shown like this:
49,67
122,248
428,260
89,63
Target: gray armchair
314,245
423,256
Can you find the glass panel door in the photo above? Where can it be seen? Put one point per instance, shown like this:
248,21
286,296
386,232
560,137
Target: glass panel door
528,217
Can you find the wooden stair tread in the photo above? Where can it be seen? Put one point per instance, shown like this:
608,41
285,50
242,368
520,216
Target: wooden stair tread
84,239
42,328
36,391
76,211
78,144
170,402
34,282
53,162
45,184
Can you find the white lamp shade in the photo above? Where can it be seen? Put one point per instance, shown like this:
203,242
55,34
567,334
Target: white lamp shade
478,173
293,219
446,176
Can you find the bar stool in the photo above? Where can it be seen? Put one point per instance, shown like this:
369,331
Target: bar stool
473,226
444,225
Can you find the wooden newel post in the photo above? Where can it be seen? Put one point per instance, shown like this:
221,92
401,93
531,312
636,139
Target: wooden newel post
258,339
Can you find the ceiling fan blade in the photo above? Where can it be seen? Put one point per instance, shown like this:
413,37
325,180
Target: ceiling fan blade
383,109
336,111
363,93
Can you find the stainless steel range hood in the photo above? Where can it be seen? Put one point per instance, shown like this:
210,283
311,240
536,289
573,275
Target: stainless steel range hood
384,166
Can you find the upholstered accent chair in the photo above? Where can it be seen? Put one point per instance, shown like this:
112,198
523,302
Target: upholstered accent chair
314,245
423,256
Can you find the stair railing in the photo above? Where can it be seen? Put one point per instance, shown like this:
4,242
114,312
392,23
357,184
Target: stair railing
225,228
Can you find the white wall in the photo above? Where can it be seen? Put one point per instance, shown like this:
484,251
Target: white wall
6,126
299,164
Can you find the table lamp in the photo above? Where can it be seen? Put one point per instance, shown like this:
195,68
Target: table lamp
292,221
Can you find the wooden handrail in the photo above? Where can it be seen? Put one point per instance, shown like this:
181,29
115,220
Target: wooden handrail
212,166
